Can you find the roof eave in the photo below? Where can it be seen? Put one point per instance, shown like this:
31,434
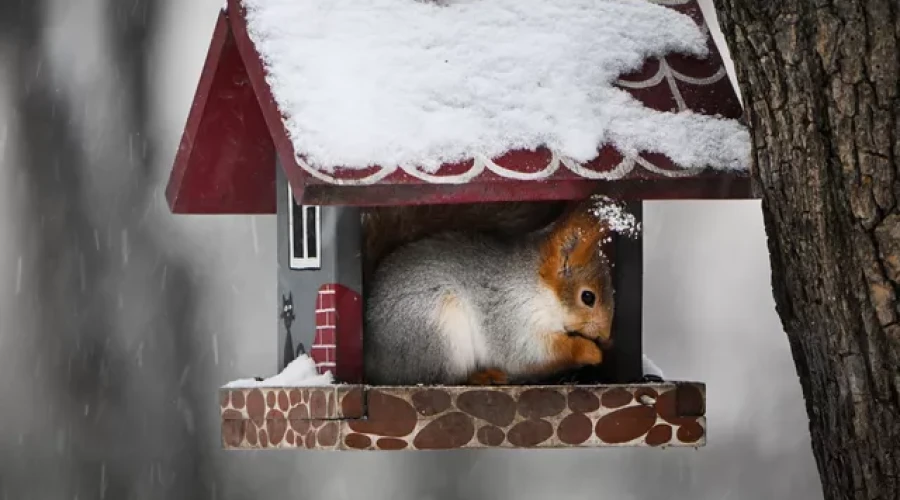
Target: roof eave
225,162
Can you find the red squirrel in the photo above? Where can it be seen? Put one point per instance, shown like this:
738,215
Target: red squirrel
485,299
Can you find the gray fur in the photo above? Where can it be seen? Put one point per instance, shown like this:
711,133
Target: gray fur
403,344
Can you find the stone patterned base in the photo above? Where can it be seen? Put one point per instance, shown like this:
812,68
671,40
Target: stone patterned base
358,417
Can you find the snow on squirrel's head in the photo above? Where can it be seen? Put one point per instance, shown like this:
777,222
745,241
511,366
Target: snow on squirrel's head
614,215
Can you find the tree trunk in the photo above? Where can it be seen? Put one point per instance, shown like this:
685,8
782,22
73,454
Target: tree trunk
819,80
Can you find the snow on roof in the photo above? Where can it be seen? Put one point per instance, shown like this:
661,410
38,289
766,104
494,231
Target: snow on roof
420,83
301,372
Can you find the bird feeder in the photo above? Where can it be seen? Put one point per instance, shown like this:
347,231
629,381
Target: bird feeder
251,146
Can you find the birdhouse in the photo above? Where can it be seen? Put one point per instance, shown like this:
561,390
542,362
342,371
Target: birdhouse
332,115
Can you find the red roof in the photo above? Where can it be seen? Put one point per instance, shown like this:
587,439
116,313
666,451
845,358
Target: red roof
225,163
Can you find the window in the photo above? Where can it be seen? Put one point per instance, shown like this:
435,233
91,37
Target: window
304,234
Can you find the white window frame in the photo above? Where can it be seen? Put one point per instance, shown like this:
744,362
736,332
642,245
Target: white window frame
305,262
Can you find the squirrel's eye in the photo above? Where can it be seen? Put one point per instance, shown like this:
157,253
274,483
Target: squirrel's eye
588,298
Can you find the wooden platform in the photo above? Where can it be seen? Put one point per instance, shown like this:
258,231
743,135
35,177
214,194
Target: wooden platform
359,417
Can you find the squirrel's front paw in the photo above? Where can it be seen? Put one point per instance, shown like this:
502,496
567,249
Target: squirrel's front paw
586,351
488,377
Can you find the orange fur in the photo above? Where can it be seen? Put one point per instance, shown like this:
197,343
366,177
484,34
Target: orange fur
488,377
570,351
574,241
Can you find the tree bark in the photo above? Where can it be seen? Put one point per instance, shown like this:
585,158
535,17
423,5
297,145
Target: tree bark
819,80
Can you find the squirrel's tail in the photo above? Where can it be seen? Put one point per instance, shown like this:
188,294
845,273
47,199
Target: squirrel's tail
387,228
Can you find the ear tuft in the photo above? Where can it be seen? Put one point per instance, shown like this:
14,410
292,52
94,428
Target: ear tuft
575,240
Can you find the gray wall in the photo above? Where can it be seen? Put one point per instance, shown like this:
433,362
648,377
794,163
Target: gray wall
340,264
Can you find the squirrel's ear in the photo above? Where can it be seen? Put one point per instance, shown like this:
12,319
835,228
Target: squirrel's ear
589,232
574,241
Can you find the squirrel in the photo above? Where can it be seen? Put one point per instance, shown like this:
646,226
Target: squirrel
485,302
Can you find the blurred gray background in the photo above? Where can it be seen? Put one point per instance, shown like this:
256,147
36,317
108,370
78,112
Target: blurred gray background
118,321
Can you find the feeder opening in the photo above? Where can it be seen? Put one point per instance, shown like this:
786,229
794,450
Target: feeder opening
476,278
